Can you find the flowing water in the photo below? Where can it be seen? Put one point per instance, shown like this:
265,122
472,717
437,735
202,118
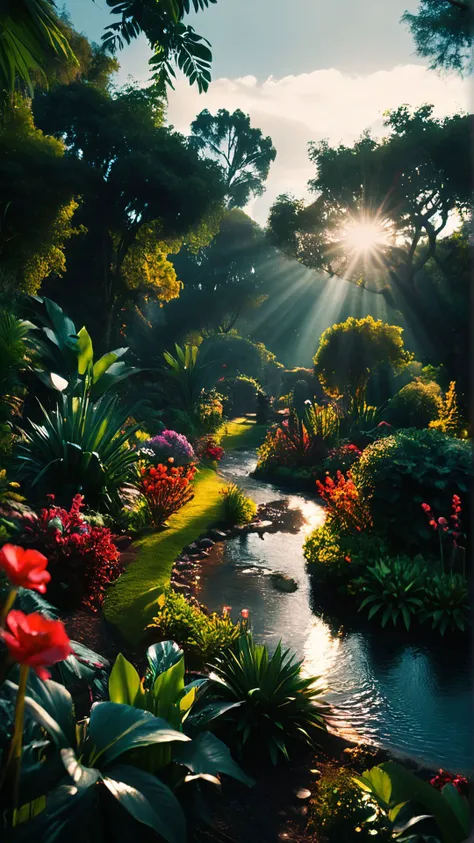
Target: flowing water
414,699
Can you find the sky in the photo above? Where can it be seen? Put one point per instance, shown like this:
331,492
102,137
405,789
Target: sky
303,69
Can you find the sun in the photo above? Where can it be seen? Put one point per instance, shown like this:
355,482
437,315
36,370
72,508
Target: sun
365,237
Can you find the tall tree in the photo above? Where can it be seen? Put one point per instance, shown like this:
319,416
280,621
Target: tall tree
143,193
243,153
443,31
381,206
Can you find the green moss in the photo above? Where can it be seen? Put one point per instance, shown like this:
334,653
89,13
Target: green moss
131,602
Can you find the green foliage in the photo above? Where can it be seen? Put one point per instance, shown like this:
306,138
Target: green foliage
243,152
443,33
202,636
393,586
186,374
330,553
174,43
349,351
209,411
163,693
238,508
79,447
99,754
13,334
29,35
240,395
446,602
400,472
230,355
339,808
416,405
278,705
65,357
393,786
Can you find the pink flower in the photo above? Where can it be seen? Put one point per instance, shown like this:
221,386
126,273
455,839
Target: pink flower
426,507
245,614
24,568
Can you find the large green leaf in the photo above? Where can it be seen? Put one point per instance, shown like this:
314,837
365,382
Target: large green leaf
85,351
148,800
124,682
115,729
162,656
207,755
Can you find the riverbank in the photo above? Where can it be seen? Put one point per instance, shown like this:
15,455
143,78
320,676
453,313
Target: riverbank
130,602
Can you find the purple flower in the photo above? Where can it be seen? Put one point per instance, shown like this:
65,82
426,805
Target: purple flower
168,444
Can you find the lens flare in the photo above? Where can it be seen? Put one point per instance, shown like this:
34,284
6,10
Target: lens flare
365,237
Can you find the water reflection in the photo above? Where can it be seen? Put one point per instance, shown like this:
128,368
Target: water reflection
410,697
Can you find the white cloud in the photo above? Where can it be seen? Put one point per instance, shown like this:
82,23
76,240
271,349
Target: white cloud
324,104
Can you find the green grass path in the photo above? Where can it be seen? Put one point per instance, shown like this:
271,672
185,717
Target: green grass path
130,602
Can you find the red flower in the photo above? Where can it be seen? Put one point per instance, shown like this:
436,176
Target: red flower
25,568
442,522
36,641
384,424
426,507
245,613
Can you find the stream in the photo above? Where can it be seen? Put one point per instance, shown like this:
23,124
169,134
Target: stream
412,698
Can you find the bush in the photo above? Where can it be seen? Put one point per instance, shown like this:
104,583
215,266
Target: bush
169,444
82,559
393,587
397,474
202,637
446,602
238,508
240,395
278,705
166,489
416,405
332,553
346,506
342,813
341,458
209,412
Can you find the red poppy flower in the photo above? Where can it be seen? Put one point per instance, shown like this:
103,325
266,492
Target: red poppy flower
25,568
36,641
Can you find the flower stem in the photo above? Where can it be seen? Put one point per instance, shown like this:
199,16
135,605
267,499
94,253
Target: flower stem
8,604
14,755
441,551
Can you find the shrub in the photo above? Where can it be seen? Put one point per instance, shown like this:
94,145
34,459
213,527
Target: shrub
289,445
334,554
166,489
202,637
208,449
278,705
346,505
350,351
169,444
340,810
209,411
238,508
240,395
398,473
83,559
80,446
446,602
416,405
341,458
393,587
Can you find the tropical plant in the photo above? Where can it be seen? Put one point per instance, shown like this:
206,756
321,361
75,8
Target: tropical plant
169,444
418,404
395,788
29,35
395,587
166,489
279,706
238,507
163,693
79,447
83,559
446,602
10,505
399,472
186,375
64,357
203,637
13,349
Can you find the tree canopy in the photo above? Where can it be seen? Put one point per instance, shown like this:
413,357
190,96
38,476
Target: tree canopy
143,192
443,32
382,205
242,152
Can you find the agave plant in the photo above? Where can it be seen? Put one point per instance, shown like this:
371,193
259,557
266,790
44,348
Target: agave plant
446,602
79,447
394,586
278,705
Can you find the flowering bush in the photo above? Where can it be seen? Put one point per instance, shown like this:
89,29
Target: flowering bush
169,444
341,458
460,783
345,503
166,488
290,445
83,559
209,411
